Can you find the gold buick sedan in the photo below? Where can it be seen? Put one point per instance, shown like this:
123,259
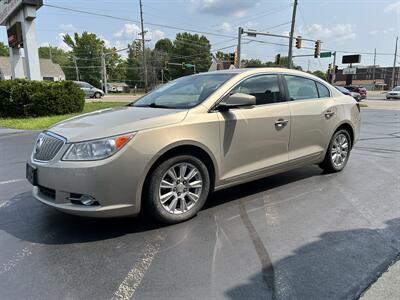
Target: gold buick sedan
174,146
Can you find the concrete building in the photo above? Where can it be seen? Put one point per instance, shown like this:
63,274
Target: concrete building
364,77
49,71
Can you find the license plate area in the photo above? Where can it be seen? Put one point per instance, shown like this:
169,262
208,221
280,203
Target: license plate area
31,174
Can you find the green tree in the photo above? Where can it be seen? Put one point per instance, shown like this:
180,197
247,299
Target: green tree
116,66
320,74
133,68
87,49
192,49
4,50
164,45
222,56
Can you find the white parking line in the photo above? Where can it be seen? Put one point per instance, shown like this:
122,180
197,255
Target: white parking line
11,181
132,281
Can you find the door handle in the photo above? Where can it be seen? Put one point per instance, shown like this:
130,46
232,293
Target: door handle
329,114
281,123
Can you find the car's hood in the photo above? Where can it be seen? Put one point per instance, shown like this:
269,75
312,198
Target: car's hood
110,122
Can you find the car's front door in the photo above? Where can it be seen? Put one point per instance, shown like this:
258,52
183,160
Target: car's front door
254,139
314,116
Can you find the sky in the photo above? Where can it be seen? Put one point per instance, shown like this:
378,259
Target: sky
354,26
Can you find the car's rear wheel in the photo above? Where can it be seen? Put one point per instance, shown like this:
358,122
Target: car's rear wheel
177,189
338,152
97,95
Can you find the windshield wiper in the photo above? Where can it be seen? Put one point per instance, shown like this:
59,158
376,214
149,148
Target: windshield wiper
154,105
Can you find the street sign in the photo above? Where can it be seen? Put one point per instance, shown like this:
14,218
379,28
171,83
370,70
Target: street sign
349,71
9,7
325,54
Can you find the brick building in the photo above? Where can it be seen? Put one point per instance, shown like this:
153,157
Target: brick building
364,77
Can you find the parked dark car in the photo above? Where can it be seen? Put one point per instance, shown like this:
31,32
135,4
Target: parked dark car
345,91
358,89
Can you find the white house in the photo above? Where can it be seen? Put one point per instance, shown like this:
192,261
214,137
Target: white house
49,70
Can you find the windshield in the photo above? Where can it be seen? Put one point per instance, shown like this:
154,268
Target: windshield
396,89
185,92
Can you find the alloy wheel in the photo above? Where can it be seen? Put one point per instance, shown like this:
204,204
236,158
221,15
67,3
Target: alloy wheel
340,150
180,188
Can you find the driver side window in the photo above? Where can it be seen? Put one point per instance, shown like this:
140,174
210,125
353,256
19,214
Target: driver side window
264,87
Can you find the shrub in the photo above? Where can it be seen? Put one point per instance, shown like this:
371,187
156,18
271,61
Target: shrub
23,98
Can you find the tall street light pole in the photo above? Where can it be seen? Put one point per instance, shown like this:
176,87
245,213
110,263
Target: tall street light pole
290,54
394,63
143,48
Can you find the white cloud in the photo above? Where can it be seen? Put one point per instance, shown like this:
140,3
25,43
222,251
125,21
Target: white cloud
67,27
393,7
237,8
61,44
129,31
225,27
339,32
374,32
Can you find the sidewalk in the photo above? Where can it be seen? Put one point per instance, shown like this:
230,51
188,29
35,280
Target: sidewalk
386,287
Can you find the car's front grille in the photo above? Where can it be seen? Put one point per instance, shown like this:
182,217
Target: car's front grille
47,146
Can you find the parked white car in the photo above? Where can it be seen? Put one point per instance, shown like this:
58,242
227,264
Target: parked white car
394,94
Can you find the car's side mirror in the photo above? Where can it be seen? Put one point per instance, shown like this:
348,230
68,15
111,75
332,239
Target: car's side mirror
237,100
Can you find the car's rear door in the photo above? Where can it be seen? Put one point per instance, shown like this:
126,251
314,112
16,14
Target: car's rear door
254,139
314,116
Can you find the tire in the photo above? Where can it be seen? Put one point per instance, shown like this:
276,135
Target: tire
168,204
332,163
97,95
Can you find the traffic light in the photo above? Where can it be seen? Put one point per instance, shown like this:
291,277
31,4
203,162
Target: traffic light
317,51
278,59
232,58
330,68
336,69
166,65
183,66
298,42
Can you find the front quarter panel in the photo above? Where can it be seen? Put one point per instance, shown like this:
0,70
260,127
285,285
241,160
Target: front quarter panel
198,129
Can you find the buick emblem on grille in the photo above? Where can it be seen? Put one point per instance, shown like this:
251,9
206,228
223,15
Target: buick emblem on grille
39,144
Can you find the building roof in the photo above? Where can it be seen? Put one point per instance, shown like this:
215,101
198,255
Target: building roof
47,67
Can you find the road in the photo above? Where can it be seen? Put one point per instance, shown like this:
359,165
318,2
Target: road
298,235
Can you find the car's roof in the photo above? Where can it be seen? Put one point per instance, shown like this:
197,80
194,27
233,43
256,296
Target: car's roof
259,70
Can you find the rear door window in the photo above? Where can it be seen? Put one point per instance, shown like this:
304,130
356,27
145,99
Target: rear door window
323,91
301,88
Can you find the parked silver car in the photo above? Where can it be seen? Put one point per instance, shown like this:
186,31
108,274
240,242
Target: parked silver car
192,136
90,90
393,94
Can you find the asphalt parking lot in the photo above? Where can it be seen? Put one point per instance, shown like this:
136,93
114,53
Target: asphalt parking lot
298,235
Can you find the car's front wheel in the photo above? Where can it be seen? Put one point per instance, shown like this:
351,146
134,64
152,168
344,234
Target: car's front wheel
338,152
177,189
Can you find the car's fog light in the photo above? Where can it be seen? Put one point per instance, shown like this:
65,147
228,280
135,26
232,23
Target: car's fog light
85,200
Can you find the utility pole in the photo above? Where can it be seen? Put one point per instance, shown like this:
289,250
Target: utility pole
290,54
333,77
373,70
239,47
76,69
104,70
143,48
394,63
51,53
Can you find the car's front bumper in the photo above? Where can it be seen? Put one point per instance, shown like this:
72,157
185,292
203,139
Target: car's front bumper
114,183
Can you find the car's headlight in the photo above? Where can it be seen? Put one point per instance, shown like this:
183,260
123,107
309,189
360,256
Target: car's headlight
97,149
